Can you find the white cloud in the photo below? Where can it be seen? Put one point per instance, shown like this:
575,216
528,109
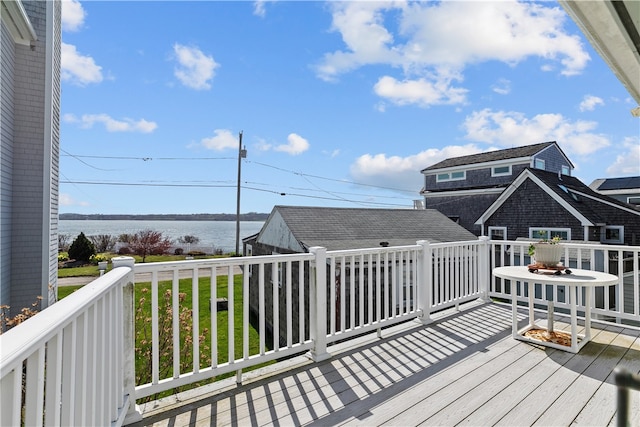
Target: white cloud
78,69
66,200
222,140
111,124
73,15
403,172
509,129
420,92
502,87
431,42
295,145
590,102
194,69
259,8
627,163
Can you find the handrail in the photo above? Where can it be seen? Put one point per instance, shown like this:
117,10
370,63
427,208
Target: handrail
38,329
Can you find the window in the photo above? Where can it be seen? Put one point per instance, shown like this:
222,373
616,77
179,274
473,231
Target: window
612,234
498,233
539,164
633,201
566,170
501,170
549,233
451,176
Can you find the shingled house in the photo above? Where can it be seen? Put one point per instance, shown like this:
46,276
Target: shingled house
462,188
295,229
539,203
625,189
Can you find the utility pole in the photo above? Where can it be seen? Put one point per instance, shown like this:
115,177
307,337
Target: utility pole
242,153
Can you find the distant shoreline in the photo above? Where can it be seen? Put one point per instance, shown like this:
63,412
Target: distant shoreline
251,216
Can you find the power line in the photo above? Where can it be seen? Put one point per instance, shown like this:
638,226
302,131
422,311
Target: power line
204,185
343,181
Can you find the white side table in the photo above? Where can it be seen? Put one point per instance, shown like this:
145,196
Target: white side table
576,280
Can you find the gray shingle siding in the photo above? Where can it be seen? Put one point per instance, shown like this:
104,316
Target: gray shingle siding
465,210
523,210
30,152
6,161
554,159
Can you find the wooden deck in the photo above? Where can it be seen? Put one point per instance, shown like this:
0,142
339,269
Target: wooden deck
464,369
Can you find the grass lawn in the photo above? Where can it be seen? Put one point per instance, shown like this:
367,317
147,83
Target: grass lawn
143,326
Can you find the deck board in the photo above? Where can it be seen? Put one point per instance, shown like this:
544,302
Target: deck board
463,369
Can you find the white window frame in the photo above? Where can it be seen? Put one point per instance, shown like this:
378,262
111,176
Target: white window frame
603,234
566,170
449,176
503,229
633,200
549,232
539,164
507,173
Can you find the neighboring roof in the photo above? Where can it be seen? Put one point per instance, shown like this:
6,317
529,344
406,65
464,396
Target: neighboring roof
576,197
626,183
493,156
613,29
354,228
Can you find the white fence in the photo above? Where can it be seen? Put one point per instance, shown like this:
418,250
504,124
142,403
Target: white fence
261,308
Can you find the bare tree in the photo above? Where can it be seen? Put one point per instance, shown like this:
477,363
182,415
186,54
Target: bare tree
149,242
103,242
64,240
189,239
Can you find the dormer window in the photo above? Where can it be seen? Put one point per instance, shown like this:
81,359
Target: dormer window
451,176
501,170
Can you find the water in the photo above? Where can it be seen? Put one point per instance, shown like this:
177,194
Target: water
212,234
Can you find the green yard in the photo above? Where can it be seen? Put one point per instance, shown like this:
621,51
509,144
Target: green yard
143,325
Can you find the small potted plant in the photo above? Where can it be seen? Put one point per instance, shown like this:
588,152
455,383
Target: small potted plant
547,252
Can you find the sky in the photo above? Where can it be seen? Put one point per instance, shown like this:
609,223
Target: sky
339,104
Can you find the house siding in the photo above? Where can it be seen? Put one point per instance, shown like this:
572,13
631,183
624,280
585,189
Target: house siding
464,209
6,161
515,213
554,160
30,182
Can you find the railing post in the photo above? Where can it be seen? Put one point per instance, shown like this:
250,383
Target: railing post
425,282
318,303
128,322
484,268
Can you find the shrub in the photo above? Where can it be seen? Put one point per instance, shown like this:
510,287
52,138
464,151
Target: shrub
149,242
95,259
81,249
178,251
63,256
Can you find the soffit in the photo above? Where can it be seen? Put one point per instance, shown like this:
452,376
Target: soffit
613,29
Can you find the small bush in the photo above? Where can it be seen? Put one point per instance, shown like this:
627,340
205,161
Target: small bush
125,250
178,251
63,256
81,249
95,259
196,253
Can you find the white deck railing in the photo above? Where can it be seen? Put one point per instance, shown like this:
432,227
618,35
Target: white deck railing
276,306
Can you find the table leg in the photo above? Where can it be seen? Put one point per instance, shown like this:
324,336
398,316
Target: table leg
573,300
532,314
587,314
514,309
